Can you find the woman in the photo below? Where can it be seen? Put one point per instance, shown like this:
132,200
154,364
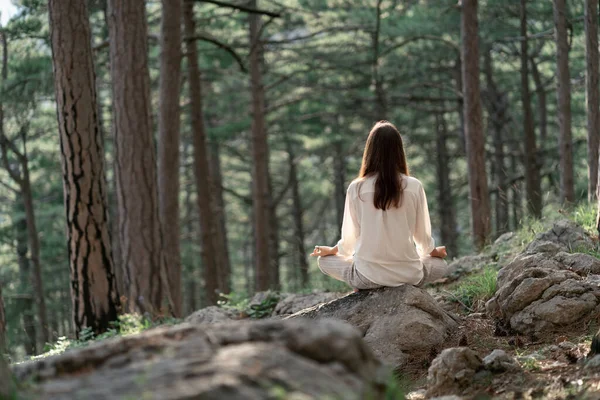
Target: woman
386,231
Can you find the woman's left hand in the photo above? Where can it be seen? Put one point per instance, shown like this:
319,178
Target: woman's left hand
323,251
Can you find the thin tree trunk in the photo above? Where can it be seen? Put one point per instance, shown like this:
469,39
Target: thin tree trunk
380,101
274,246
339,175
460,105
201,163
2,323
93,284
297,213
142,256
563,91
27,310
6,380
260,154
480,205
221,242
592,94
532,173
497,105
189,234
540,92
445,201
168,143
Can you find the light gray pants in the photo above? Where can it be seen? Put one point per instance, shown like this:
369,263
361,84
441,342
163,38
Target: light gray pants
343,269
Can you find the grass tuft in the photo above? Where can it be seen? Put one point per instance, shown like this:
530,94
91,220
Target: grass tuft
475,290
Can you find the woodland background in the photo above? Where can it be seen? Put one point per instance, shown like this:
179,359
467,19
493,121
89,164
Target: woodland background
310,76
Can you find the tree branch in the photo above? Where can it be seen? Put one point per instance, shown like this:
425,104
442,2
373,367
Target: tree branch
240,7
211,39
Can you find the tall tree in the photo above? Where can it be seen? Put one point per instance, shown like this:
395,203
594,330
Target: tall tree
592,94
93,283
19,173
168,143
445,200
532,173
475,142
142,255
201,161
261,190
563,92
27,308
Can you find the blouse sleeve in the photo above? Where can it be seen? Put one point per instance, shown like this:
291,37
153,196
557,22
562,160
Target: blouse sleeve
350,227
422,235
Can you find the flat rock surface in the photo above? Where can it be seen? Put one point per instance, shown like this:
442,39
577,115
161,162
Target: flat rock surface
400,324
236,360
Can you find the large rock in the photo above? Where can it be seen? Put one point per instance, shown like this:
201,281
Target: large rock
401,325
211,314
452,371
546,288
239,360
296,302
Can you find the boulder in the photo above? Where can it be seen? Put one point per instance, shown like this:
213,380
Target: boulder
211,314
546,288
452,371
500,361
296,302
401,324
236,360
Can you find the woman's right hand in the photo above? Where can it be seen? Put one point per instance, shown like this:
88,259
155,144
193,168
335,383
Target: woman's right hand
439,252
323,251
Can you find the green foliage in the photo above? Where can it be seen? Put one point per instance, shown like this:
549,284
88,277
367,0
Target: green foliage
264,308
585,214
475,290
235,301
240,303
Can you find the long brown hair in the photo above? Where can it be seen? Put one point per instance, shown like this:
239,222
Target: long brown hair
384,157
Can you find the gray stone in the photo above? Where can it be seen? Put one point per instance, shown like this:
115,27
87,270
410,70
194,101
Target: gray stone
593,362
211,314
296,302
451,397
565,233
400,324
500,361
452,371
236,360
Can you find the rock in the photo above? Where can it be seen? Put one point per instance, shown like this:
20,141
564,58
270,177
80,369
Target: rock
400,324
545,291
468,264
235,360
452,371
451,397
594,362
566,234
296,302
210,314
499,361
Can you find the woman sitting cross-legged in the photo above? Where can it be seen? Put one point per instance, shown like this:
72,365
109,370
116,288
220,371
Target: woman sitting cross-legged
386,231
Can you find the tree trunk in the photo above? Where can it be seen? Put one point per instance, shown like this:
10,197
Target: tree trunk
142,256
380,101
563,91
168,143
592,94
297,213
480,205
274,246
445,201
201,163
339,176
460,105
6,380
497,105
532,173
93,284
27,309
260,154
540,92
2,323
221,242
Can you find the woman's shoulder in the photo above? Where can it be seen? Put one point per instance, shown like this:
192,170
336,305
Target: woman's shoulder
412,183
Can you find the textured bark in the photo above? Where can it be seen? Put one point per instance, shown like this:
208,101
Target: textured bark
339,176
260,153
221,243
532,173
445,200
201,163
497,109
142,256
297,214
563,92
592,94
274,253
27,306
168,143
475,141
2,323
93,283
